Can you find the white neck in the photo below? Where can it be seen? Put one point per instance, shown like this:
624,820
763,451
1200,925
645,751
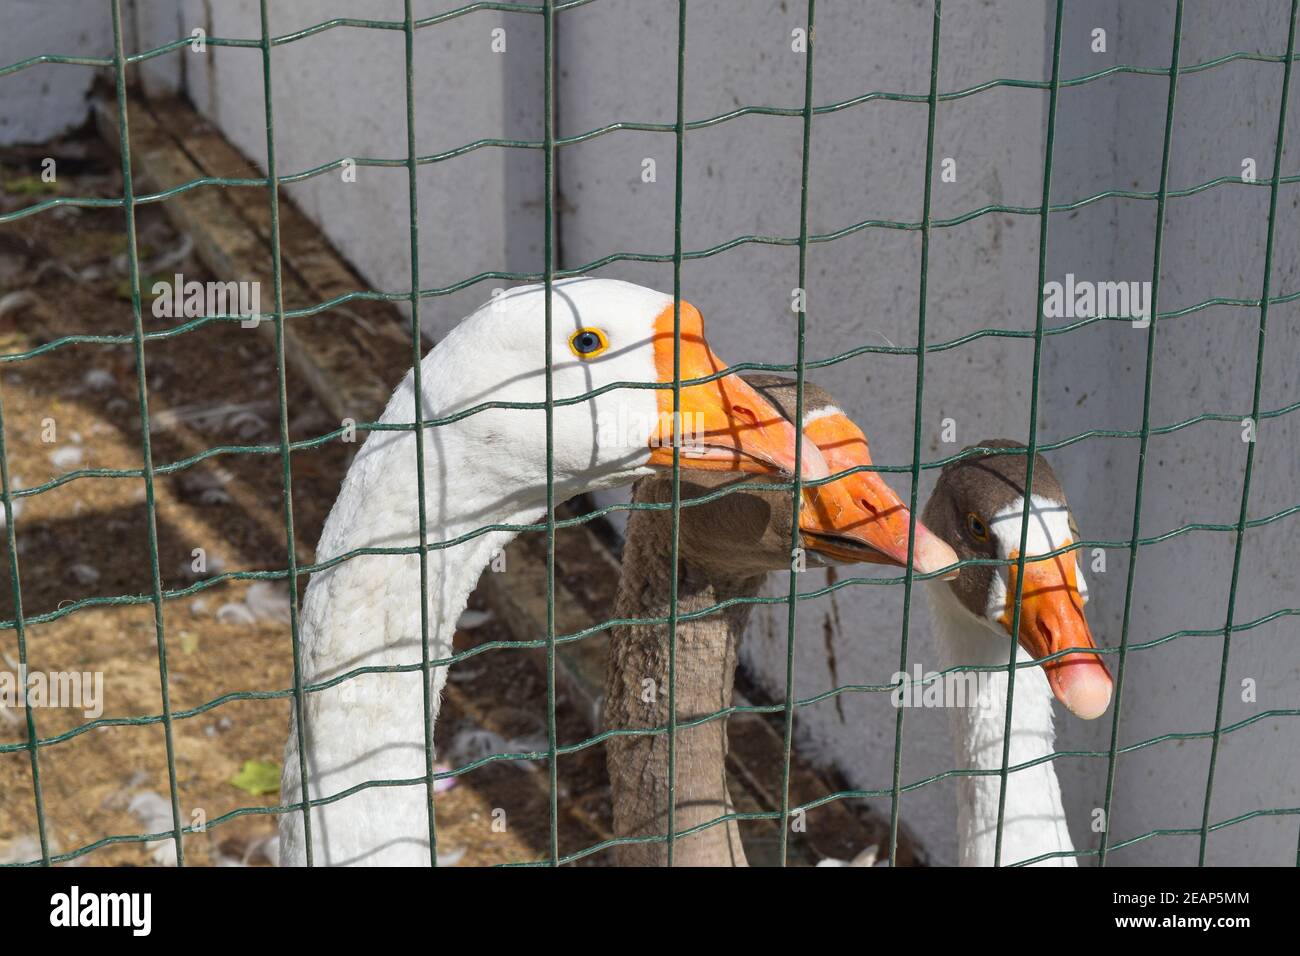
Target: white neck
1034,819
365,612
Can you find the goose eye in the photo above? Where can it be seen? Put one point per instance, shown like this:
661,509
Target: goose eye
979,531
588,343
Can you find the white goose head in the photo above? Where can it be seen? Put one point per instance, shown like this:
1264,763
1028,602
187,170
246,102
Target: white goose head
977,507
603,332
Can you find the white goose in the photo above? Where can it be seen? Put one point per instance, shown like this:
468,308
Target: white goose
977,507
487,468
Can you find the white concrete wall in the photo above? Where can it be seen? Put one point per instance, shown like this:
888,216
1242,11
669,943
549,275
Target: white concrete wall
341,94
48,99
1205,362
742,177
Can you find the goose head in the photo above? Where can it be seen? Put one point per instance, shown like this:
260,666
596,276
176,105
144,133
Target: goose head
616,339
856,518
977,506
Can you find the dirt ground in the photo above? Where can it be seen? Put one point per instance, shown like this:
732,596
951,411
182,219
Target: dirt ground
64,271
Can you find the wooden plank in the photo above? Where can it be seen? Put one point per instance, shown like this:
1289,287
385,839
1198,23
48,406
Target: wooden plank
351,365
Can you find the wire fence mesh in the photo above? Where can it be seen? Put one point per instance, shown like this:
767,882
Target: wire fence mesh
549,145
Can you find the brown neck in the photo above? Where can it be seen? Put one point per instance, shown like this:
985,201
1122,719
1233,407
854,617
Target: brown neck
636,696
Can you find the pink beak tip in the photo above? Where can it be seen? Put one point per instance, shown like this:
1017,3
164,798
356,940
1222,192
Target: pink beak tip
931,553
1085,689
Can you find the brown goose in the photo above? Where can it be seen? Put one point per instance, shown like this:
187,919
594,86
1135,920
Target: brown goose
978,506
726,549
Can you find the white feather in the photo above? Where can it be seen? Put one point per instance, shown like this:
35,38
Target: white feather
488,468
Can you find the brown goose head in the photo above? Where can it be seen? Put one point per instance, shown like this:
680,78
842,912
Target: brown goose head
977,507
857,518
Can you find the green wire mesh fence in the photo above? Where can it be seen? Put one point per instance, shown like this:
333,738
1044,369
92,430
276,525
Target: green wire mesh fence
549,145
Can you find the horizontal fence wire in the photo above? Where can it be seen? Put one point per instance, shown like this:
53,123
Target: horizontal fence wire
549,144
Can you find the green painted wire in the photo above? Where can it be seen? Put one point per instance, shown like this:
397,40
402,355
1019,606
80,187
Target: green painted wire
1250,446
32,744
764,815
757,815
182,464
314,29
330,436
119,61
634,622
309,31
1040,318
1169,831
282,400
417,356
733,710
796,492
277,575
851,229
606,844
548,267
146,445
371,296
303,445
910,573
676,513
1144,441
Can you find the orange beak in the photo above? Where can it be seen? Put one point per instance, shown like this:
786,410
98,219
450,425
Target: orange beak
725,424
858,517
1051,620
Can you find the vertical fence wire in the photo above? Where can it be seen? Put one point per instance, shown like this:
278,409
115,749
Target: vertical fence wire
797,489
1145,439
932,100
142,397
679,131
1274,188
548,273
20,632
413,205
282,400
1032,453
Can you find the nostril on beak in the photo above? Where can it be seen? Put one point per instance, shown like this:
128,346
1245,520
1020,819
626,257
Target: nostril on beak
1045,630
745,413
869,508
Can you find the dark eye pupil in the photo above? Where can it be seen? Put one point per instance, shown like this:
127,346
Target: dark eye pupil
586,342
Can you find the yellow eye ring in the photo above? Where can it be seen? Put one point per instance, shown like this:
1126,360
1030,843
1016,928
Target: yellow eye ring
975,525
588,343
